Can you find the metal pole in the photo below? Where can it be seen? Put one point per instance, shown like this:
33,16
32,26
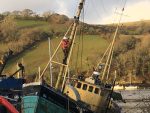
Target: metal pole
50,65
18,73
112,90
39,69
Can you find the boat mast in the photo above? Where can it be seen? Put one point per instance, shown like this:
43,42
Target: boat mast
110,54
64,69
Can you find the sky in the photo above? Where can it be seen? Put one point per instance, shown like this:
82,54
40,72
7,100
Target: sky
95,11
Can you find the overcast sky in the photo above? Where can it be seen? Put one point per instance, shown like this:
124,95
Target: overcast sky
96,11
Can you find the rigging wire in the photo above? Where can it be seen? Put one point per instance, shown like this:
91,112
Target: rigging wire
53,48
113,47
80,47
106,68
85,7
118,30
82,34
110,62
96,10
103,6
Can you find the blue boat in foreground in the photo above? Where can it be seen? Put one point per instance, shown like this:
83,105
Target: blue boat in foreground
10,86
38,98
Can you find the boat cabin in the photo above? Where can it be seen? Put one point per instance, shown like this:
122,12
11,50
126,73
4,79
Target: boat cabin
94,95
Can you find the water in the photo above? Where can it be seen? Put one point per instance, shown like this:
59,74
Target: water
137,101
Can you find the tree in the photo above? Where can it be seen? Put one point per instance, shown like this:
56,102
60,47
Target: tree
91,31
6,13
8,28
125,44
16,13
1,17
47,14
27,13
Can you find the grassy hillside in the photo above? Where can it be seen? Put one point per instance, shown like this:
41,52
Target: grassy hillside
37,56
31,35
44,25
30,23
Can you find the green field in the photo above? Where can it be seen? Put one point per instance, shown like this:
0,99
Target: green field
43,25
29,23
37,56
93,47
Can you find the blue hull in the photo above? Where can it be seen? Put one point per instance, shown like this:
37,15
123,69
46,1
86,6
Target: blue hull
35,104
43,99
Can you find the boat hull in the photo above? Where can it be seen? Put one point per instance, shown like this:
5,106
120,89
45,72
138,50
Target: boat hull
36,104
43,99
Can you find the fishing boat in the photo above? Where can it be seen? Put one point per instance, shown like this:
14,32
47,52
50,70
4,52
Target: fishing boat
41,98
90,95
126,86
95,90
123,87
119,87
10,87
8,82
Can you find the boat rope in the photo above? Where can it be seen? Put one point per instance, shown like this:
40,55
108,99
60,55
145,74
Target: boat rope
110,62
96,8
100,61
69,29
57,58
77,57
80,41
103,6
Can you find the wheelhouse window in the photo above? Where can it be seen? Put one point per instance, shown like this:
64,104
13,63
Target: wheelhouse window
79,85
84,87
90,89
96,91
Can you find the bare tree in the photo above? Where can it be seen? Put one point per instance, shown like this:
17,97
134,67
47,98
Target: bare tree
27,13
6,13
47,14
16,13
